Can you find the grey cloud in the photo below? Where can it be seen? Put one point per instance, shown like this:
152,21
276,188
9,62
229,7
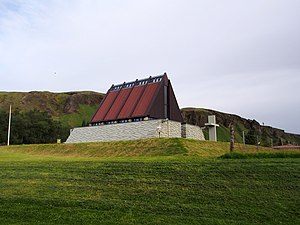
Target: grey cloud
234,56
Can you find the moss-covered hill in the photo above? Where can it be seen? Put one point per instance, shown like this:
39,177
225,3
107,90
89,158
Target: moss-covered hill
253,131
70,108
76,108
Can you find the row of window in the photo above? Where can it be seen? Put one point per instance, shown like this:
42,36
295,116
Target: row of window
116,88
155,80
139,83
121,121
142,82
129,85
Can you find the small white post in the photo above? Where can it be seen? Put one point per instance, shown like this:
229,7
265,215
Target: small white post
158,129
9,124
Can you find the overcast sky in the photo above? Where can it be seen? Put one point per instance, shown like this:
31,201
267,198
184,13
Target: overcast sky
235,56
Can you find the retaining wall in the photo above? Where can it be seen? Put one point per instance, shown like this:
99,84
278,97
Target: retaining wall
192,132
126,131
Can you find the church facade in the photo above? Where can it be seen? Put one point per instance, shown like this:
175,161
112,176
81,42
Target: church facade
145,108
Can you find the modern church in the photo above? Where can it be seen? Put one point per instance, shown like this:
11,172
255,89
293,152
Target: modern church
145,108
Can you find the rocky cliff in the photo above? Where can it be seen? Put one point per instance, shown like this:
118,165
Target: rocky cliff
252,130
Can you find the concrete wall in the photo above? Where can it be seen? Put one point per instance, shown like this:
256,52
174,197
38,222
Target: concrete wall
192,132
125,131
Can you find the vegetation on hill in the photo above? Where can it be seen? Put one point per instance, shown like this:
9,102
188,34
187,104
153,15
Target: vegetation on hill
73,109
254,132
43,117
32,127
70,108
154,181
136,148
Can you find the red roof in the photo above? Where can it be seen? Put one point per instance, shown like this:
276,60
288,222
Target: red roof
152,97
147,96
131,102
105,106
118,104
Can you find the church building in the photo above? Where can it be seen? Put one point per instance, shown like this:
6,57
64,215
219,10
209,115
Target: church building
145,108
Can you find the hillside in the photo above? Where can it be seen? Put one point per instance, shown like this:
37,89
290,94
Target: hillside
152,147
71,108
76,109
137,148
266,135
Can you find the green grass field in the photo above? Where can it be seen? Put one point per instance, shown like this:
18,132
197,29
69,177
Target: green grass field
154,181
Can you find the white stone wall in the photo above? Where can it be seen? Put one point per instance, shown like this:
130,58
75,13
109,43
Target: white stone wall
125,131
192,132
170,129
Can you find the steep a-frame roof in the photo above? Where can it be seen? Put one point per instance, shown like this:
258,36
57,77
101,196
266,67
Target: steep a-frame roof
152,97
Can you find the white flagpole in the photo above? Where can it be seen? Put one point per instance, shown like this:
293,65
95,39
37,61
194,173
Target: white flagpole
9,123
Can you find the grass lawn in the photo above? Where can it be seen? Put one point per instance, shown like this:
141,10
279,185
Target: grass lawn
183,188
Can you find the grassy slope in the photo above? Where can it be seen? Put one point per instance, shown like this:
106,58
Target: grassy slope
143,147
176,181
84,114
199,116
54,104
222,131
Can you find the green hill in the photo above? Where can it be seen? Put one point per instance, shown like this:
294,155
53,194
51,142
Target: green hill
136,148
73,109
266,135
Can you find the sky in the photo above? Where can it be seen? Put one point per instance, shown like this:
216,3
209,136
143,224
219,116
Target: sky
240,57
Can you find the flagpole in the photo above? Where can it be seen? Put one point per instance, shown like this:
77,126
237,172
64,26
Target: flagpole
9,124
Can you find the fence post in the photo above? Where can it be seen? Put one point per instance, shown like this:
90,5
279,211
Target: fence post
244,141
231,138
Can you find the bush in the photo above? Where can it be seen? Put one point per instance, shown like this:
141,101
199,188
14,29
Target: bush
32,127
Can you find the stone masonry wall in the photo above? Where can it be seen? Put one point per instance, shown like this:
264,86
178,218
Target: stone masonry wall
170,129
192,132
125,131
